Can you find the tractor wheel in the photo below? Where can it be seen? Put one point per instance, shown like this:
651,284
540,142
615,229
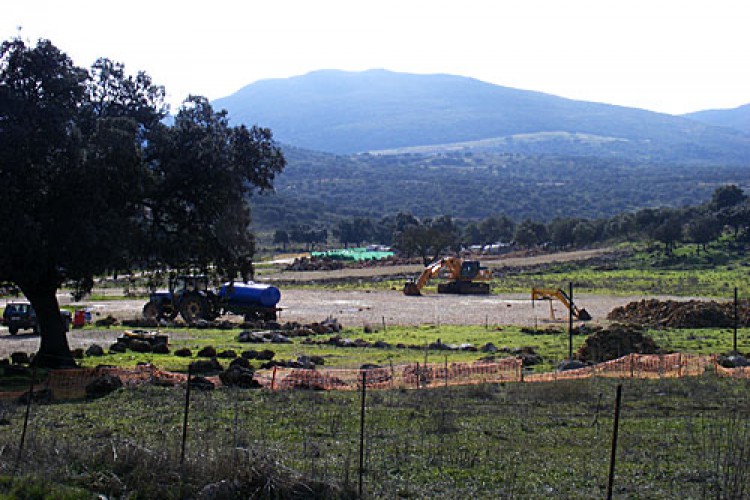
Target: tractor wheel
151,311
193,308
12,330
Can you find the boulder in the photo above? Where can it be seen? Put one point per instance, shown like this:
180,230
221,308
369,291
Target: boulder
103,385
206,366
95,350
207,352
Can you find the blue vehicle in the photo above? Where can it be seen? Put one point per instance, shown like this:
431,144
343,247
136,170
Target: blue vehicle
193,299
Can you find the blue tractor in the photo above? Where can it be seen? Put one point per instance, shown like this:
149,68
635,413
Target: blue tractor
193,299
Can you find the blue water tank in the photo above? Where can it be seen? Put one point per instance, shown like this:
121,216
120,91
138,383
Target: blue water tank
250,293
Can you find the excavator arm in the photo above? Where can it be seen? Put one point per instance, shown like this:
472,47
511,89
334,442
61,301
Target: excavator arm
558,294
463,275
415,287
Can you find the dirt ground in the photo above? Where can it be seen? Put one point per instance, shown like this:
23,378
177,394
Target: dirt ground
355,309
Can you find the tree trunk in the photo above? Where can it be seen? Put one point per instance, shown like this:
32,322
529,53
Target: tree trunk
54,351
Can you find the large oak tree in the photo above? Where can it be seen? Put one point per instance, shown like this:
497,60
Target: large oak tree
92,179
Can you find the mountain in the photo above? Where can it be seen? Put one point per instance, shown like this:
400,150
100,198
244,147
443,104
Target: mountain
353,112
737,118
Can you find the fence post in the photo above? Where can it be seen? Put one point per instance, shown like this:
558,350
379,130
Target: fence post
362,432
570,321
187,411
273,377
25,421
613,455
734,344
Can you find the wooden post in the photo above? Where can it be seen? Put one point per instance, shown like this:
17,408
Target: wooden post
25,421
362,433
613,454
734,344
570,321
187,411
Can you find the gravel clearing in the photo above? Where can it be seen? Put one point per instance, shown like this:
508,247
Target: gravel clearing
355,309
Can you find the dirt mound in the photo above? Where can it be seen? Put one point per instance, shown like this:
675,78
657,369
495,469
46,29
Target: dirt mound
615,342
682,314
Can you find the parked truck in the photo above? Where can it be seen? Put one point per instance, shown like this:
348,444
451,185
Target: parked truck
193,299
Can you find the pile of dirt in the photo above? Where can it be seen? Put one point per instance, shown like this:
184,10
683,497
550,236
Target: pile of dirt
615,342
682,314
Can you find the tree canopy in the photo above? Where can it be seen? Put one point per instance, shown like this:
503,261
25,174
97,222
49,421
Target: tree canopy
93,179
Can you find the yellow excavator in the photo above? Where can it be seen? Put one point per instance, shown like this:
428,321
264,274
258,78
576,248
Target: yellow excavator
466,277
558,294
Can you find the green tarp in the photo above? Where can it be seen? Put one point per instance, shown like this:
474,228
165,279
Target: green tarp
353,254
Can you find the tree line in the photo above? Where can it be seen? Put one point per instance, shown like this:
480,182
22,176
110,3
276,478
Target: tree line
430,237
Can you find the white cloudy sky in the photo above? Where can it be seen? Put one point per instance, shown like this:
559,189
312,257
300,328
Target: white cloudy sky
663,55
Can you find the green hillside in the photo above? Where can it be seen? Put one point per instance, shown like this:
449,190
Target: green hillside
351,112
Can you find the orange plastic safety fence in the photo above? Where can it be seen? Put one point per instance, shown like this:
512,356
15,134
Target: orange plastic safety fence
402,376
641,366
71,384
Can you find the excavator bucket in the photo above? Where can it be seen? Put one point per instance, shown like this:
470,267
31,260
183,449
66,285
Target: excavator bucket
583,315
411,288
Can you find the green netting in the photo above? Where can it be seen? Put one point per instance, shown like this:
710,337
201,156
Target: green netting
353,254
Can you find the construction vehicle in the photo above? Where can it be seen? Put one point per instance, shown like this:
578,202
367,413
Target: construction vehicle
466,277
191,297
558,294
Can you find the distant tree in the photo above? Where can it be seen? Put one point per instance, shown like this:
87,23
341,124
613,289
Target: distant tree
584,233
496,229
703,230
353,231
561,231
281,237
430,239
472,235
669,232
727,196
530,233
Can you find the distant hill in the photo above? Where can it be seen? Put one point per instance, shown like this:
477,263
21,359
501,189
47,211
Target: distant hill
351,112
737,118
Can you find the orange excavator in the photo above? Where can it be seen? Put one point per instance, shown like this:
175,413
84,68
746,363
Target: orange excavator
466,277
558,294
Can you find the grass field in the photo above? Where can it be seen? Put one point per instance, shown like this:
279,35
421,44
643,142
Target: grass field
683,438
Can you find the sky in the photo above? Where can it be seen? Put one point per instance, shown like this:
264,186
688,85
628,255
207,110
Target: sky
662,55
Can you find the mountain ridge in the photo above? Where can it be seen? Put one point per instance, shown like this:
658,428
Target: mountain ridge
353,112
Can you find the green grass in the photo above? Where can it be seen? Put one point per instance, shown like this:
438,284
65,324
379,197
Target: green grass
678,438
549,342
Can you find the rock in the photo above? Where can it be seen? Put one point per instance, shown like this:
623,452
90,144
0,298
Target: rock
95,350
140,345
207,352
206,366
238,376
118,347
19,358
160,348
266,355
381,344
103,385
77,353
250,354
183,353
573,364
241,362
489,347
734,360
227,354
201,383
